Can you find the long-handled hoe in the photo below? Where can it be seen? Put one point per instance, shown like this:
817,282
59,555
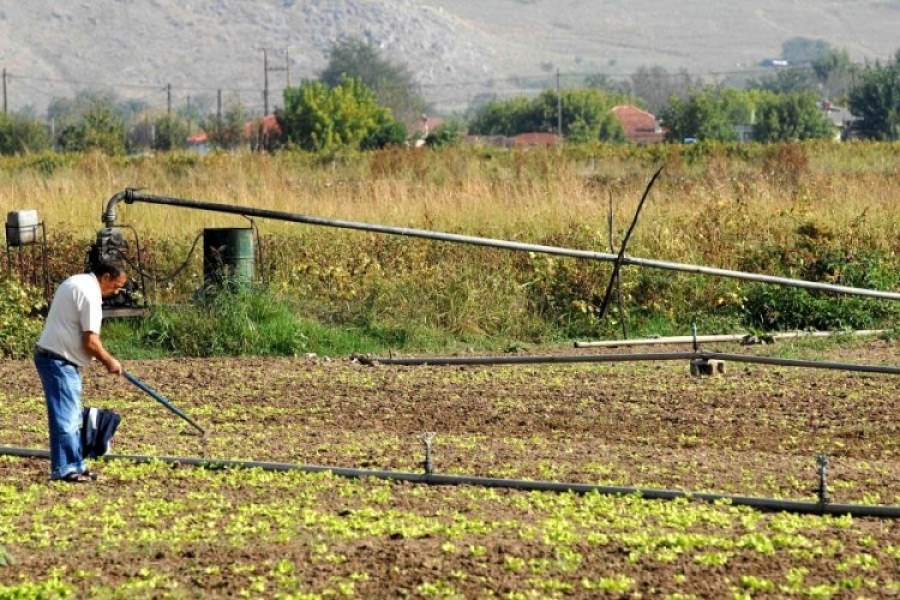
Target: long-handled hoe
161,399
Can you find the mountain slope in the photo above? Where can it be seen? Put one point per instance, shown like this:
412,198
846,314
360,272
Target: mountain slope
456,49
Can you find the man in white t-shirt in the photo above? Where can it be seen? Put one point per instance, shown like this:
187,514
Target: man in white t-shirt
69,341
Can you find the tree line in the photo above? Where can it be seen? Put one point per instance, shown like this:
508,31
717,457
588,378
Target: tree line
362,100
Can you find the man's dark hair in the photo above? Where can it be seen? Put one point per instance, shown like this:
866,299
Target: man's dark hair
106,267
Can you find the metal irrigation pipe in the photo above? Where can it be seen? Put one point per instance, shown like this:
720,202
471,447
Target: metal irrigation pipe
768,504
633,357
729,337
129,196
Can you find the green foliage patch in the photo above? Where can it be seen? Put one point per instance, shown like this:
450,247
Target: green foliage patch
20,322
232,322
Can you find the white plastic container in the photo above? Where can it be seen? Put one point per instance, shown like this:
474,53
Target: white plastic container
21,227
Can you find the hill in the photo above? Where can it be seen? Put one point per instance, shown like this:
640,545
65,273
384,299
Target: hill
457,50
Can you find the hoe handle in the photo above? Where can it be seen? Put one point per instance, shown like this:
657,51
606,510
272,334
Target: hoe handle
161,399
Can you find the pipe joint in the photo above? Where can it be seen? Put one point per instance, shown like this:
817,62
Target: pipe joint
822,465
427,439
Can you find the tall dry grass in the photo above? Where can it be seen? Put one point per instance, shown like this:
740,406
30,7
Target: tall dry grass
754,208
701,199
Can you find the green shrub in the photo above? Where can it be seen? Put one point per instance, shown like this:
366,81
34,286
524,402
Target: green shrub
20,322
242,321
774,308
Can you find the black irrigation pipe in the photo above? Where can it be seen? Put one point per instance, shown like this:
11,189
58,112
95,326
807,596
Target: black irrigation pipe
632,357
612,248
130,196
621,254
764,504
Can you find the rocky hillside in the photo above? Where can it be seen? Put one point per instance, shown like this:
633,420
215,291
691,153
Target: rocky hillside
457,50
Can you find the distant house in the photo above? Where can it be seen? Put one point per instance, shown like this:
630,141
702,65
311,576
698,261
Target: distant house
421,128
198,142
841,119
261,133
640,126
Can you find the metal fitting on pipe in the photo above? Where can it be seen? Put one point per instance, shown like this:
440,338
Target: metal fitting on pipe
427,439
109,215
822,464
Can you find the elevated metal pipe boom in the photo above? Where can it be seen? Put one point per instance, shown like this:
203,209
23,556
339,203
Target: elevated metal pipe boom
131,196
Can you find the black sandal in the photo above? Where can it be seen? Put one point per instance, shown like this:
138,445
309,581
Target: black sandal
77,478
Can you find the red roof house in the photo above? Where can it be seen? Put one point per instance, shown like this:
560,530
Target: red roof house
640,126
270,127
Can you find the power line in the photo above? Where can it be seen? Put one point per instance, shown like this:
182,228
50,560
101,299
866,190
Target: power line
518,84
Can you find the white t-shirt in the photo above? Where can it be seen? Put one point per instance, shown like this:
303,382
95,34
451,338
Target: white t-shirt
77,307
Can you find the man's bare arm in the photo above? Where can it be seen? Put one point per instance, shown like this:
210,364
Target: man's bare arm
95,348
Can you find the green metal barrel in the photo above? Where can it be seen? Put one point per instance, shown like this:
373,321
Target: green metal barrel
228,256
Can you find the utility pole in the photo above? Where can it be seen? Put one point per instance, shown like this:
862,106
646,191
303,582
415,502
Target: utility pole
265,82
169,100
558,106
266,69
287,66
218,117
4,91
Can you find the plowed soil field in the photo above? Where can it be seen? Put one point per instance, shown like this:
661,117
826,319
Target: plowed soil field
172,530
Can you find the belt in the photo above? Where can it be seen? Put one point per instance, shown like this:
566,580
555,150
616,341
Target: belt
49,353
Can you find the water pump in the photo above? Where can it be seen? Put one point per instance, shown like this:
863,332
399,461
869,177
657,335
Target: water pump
111,245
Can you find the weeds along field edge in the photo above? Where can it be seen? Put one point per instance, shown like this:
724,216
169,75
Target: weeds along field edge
823,212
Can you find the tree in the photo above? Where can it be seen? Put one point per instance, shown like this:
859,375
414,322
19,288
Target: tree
100,128
393,83
92,120
389,133
656,86
787,80
792,116
227,133
445,134
171,132
875,99
586,115
503,117
20,134
835,72
602,81
707,114
318,118
66,111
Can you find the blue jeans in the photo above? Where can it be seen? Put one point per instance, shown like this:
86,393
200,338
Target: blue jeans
62,391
